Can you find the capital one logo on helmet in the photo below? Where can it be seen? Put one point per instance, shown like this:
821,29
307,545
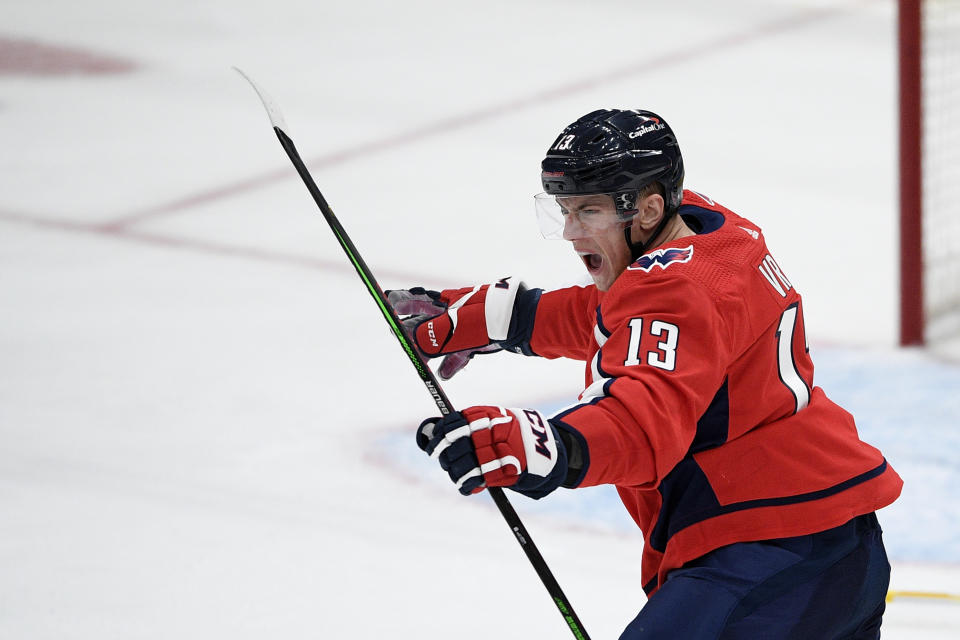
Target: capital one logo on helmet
645,129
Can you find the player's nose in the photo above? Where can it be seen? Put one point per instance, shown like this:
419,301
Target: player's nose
572,227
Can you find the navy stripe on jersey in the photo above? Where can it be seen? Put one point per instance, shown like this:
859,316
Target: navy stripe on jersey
706,220
598,358
653,584
688,499
606,332
713,425
604,392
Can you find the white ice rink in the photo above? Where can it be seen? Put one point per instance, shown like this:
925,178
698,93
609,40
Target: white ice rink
206,426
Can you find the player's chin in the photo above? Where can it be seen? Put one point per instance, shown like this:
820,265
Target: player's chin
602,280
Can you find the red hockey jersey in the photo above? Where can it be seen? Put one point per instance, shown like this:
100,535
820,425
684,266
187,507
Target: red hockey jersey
699,403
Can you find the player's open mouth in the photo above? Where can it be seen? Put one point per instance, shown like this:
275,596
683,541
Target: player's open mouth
593,261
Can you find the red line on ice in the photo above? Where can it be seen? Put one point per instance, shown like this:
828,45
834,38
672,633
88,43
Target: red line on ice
463,121
338,264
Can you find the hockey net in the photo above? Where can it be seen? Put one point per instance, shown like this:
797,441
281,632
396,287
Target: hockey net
936,307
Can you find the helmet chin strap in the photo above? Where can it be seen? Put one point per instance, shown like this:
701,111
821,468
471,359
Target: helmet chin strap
638,248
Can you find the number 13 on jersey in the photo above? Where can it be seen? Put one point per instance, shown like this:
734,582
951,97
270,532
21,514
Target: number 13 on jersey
664,356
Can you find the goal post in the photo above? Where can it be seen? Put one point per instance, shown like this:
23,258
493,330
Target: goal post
909,39
929,150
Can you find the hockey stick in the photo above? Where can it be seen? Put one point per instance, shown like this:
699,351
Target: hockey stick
426,375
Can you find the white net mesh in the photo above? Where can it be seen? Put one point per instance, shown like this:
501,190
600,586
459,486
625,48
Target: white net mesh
941,172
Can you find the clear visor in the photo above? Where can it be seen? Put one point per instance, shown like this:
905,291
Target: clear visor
582,216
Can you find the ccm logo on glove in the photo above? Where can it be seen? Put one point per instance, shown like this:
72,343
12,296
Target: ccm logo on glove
495,447
541,434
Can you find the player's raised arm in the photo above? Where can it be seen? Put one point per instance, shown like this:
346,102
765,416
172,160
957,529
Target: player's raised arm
458,324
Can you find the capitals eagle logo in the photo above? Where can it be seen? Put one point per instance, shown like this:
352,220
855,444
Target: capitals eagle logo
662,258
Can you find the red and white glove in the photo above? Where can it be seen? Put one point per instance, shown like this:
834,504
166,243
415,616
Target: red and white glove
496,447
460,323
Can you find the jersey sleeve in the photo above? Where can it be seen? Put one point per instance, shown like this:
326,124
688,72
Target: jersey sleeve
663,349
563,326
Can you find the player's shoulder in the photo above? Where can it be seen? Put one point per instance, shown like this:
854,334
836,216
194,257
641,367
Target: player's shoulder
707,216
719,235
724,245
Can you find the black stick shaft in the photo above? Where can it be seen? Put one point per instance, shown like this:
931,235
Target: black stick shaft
430,381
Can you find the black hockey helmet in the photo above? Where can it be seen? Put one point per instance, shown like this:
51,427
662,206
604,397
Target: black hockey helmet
612,150
616,151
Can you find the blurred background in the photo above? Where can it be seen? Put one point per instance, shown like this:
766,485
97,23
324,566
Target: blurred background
206,426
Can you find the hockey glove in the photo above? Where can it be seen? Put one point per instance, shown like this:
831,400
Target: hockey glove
460,323
496,447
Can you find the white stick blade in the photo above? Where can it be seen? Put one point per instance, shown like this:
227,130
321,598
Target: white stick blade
276,118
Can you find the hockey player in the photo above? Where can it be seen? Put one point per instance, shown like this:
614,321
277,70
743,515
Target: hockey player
753,491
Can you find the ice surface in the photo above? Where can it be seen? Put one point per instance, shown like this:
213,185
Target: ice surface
205,425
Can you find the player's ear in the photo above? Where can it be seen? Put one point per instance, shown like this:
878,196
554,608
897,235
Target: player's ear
649,214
